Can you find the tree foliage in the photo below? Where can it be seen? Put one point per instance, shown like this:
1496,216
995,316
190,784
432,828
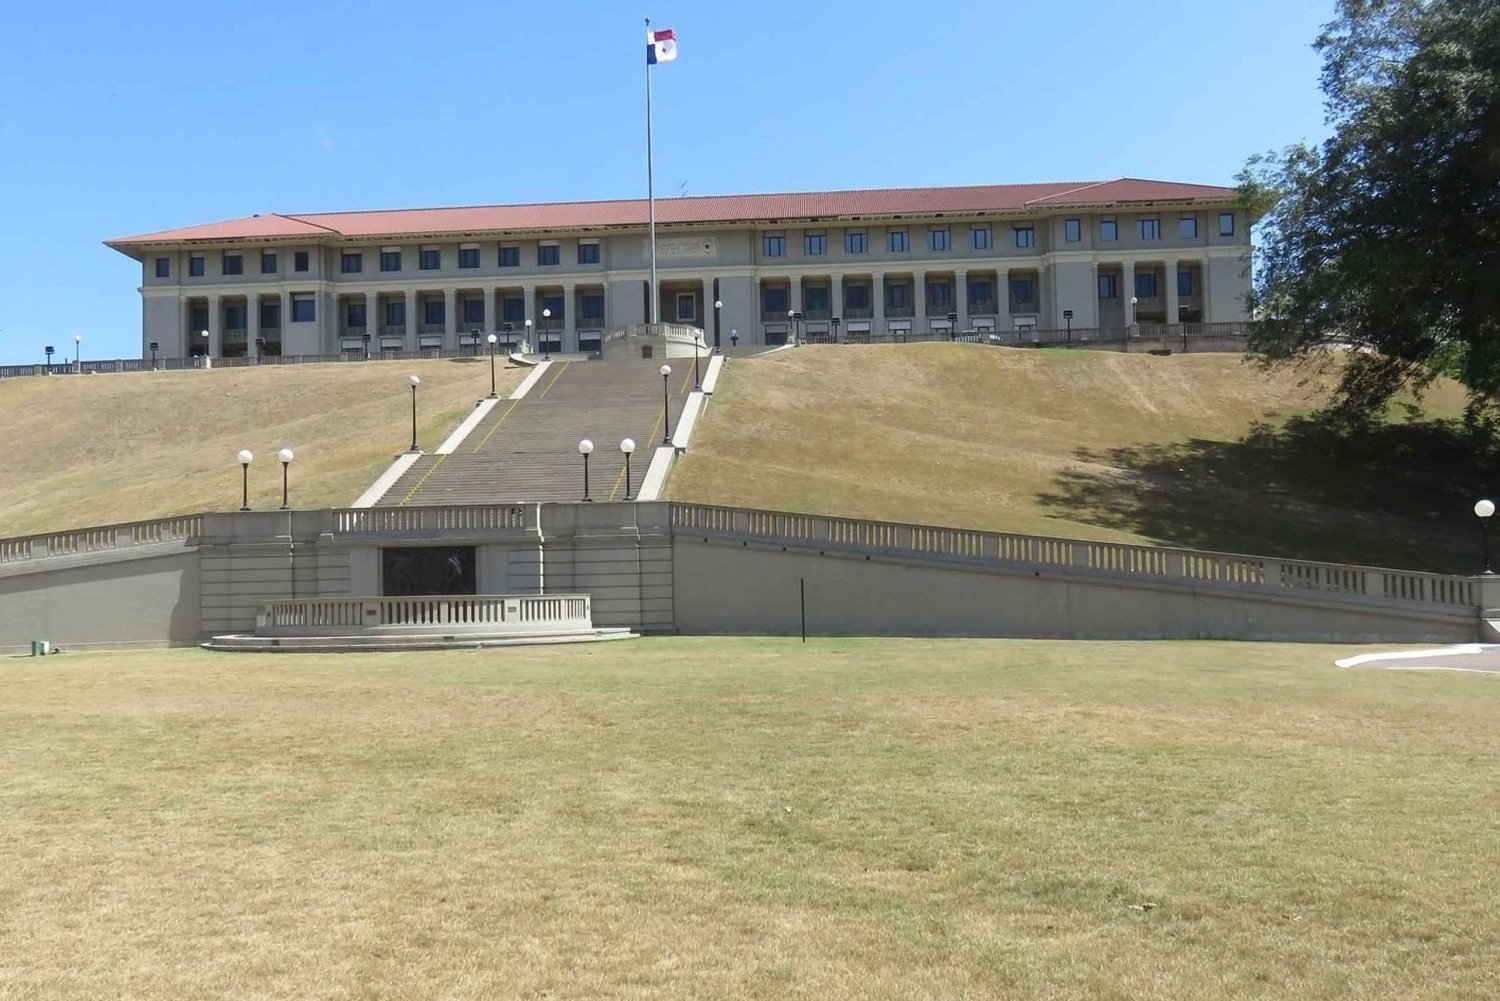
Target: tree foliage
1386,238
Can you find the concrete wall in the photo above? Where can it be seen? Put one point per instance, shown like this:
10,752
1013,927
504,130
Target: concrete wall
726,589
150,600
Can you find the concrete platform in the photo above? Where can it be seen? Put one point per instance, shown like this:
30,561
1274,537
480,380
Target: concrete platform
1479,658
250,643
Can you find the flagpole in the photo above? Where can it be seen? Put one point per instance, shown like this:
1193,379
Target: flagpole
650,192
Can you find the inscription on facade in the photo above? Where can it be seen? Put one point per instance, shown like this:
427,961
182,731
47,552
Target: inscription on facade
681,247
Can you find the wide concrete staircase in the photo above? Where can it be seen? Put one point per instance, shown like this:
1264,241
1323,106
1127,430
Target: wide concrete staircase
527,449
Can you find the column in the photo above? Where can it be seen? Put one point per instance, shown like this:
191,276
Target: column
1203,296
961,299
184,328
1169,277
412,340
836,301
794,301
372,320
706,317
877,303
1097,319
528,293
1127,291
919,302
1002,298
756,333
215,327
286,319
570,322
252,324
450,318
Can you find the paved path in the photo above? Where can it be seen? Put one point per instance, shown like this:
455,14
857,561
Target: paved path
1480,657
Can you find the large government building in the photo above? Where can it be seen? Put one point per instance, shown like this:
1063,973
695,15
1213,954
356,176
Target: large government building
1005,258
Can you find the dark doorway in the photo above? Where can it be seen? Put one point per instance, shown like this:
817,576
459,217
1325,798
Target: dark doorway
423,570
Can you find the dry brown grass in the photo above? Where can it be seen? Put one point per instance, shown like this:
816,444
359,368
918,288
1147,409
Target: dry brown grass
100,449
1084,444
749,819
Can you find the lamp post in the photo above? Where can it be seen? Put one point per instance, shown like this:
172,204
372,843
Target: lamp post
260,348
795,316
78,352
510,344
527,326
492,339
666,406
585,449
547,333
953,326
697,380
1483,509
364,341
414,381
48,352
204,334
1068,319
734,338
718,305
154,347
285,455
245,458
627,446
835,321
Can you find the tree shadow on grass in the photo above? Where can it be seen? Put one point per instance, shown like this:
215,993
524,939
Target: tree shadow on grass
1397,494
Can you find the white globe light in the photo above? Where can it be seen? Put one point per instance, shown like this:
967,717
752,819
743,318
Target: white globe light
528,321
627,446
546,313
1484,508
245,456
666,370
718,304
77,338
492,338
414,380
585,446
285,455
203,333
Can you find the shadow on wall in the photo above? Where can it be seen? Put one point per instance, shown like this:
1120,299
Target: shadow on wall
1317,488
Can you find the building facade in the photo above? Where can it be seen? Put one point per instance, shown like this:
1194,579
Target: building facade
1002,258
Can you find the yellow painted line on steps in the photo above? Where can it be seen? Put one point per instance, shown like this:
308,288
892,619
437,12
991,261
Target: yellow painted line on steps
488,435
560,371
425,476
620,477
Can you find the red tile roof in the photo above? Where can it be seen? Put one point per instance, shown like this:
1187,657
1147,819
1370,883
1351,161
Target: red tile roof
669,211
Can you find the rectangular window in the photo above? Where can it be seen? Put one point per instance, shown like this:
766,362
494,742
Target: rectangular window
897,295
510,257
592,307
354,314
1145,285
1187,227
195,266
352,264
299,261
979,291
164,267
895,241
1184,283
234,317
474,311
513,310
1109,229
468,257
395,313
940,294
432,312
773,300
687,306
1022,292
390,260
1073,230
774,245
937,238
548,254
1025,236
304,308
554,303
856,297
588,253
815,298
234,264
1226,223
815,244
430,260
855,242
1150,228
981,237
268,262
1108,289
270,315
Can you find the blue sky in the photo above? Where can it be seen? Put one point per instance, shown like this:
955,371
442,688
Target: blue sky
127,117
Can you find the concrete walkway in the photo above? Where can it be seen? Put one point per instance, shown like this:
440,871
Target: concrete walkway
1482,658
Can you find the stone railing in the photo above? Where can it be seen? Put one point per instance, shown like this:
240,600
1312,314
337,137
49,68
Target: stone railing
436,614
101,539
466,518
999,549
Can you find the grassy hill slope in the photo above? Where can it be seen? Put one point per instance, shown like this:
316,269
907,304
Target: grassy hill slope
91,450
1194,450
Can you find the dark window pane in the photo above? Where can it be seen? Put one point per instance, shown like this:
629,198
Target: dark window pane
267,263
304,309
352,264
430,260
390,260
468,257
1109,229
1226,223
474,310
588,253
1073,230
299,261
548,254
510,257
234,264
432,311
163,267
195,266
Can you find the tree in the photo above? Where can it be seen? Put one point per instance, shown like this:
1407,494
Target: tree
1387,237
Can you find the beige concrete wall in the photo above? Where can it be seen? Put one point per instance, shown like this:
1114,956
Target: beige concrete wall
149,601
726,589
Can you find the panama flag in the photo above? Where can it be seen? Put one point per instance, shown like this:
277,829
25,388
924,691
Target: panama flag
661,46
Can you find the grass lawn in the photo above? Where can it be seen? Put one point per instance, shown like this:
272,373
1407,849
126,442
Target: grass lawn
749,819
101,449
1197,450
